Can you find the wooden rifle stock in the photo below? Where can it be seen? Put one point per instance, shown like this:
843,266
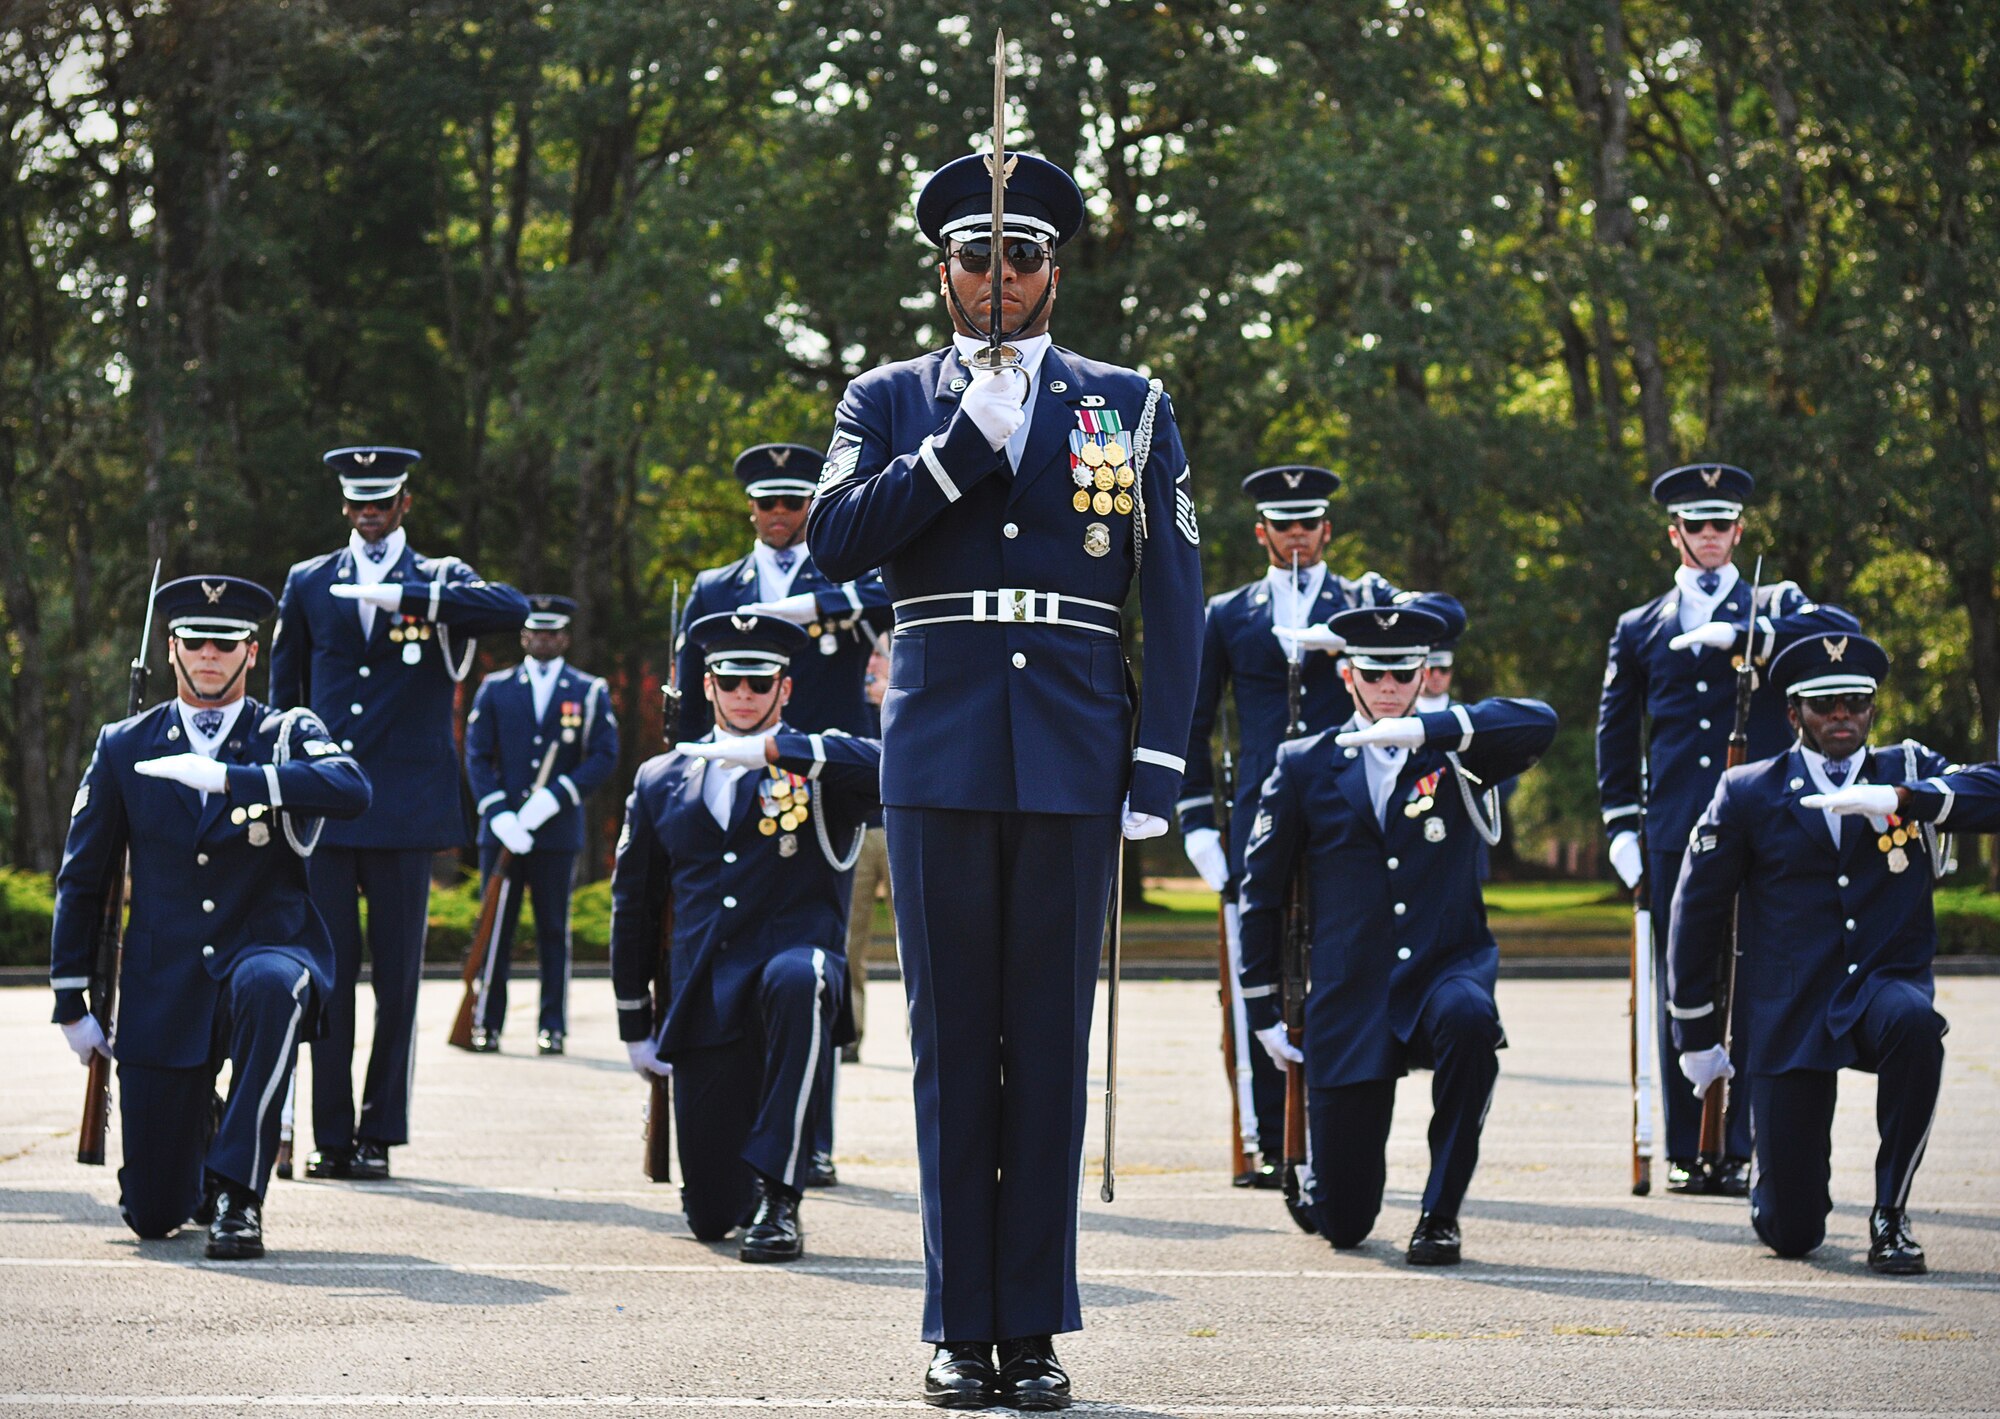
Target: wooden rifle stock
1225,970
659,1159
484,933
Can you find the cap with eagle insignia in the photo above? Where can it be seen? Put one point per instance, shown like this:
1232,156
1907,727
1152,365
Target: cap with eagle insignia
779,470
214,607
1292,489
1043,203
1448,610
1704,490
1847,664
733,643
549,612
1388,637
370,472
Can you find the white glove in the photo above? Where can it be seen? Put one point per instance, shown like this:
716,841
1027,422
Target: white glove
646,1061
540,807
1309,638
798,609
1139,826
388,595
85,1038
1279,1046
1717,635
197,771
1704,1067
515,838
996,402
1626,858
1205,851
1877,800
744,752
1406,732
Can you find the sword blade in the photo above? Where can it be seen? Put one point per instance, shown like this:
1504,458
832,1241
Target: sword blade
993,331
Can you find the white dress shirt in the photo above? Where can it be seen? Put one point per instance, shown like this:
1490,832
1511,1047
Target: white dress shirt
773,581
204,743
542,677
1384,765
718,785
1291,605
1031,349
367,571
1816,767
1698,606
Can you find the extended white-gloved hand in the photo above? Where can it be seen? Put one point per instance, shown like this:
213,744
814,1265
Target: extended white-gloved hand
1405,732
85,1038
388,595
515,838
1279,1046
1626,858
1309,638
1205,851
744,752
646,1061
997,403
1877,800
797,609
197,771
1717,635
1138,827
1704,1066
541,806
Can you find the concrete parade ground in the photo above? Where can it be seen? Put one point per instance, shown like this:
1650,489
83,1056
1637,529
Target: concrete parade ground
519,1261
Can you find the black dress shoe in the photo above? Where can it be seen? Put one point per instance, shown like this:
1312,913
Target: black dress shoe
1030,1375
204,1211
549,1042
1686,1176
1434,1242
1732,1179
773,1232
820,1172
1891,1249
1265,1176
850,1054
961,1376
1302,1217
237,1232
486,1042
337,1163
370,1161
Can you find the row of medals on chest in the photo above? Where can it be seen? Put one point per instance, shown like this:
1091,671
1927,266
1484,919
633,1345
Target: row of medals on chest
410,632
784,801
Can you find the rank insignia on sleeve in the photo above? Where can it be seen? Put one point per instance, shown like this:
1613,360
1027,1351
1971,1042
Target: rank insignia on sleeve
1261,828
1184,508
841,457
81,801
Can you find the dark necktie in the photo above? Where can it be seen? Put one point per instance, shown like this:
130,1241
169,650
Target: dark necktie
784,558
376,550
1837,773
1708,582
208,723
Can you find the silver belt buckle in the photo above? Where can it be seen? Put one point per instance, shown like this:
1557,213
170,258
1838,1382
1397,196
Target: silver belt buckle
1016,604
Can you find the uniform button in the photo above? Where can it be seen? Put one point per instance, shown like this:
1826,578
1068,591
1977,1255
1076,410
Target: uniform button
1394,863
366,672
1403,954
729,857
1020,661
1351,752
201,860
209,906
1303,692
354,709
1850,923
538,738
347,746
1400,909
1704,761
1701,687
208,950
1010,530
729,901
1843,879
1704,724
1851,969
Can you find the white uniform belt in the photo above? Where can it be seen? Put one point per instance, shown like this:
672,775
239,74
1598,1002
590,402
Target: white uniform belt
1010,605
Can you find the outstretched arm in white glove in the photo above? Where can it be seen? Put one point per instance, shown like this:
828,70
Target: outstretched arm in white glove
387,595
1309,638
798,609
1210,859
1626,858
1404,732
749,751
1716,635
197,771
1876,800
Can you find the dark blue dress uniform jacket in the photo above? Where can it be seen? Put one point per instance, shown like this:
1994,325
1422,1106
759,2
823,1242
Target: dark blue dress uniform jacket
396,719
1008,716
826,689
505,744
1237,647
203,890
1684,702
1818,931
1395,913
738,898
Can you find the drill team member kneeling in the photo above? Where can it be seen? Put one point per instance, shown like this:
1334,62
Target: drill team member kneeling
220,800
1384,816
747,838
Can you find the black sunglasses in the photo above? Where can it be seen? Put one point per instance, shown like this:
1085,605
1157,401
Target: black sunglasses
784,500
1707,524
1401,677
1855,704
1286,524
201,643
976,257
360,504
758,684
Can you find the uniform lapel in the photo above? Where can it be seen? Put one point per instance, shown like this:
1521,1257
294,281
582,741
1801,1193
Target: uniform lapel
1856,828
1352,780
951,377
743,802
178,743
1048,435
233,750
1799,783
692,779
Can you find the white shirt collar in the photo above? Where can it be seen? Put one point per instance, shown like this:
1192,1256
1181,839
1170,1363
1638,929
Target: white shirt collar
1432,704
544,669
367,570
202,743
773,580
1291,606
1383,764
1816,763
1701,604
718,788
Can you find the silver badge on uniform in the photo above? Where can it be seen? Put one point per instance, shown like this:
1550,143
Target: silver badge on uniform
788,844
1899,860
259,834
1097,539
413,652
1433,830
827,644
569,736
